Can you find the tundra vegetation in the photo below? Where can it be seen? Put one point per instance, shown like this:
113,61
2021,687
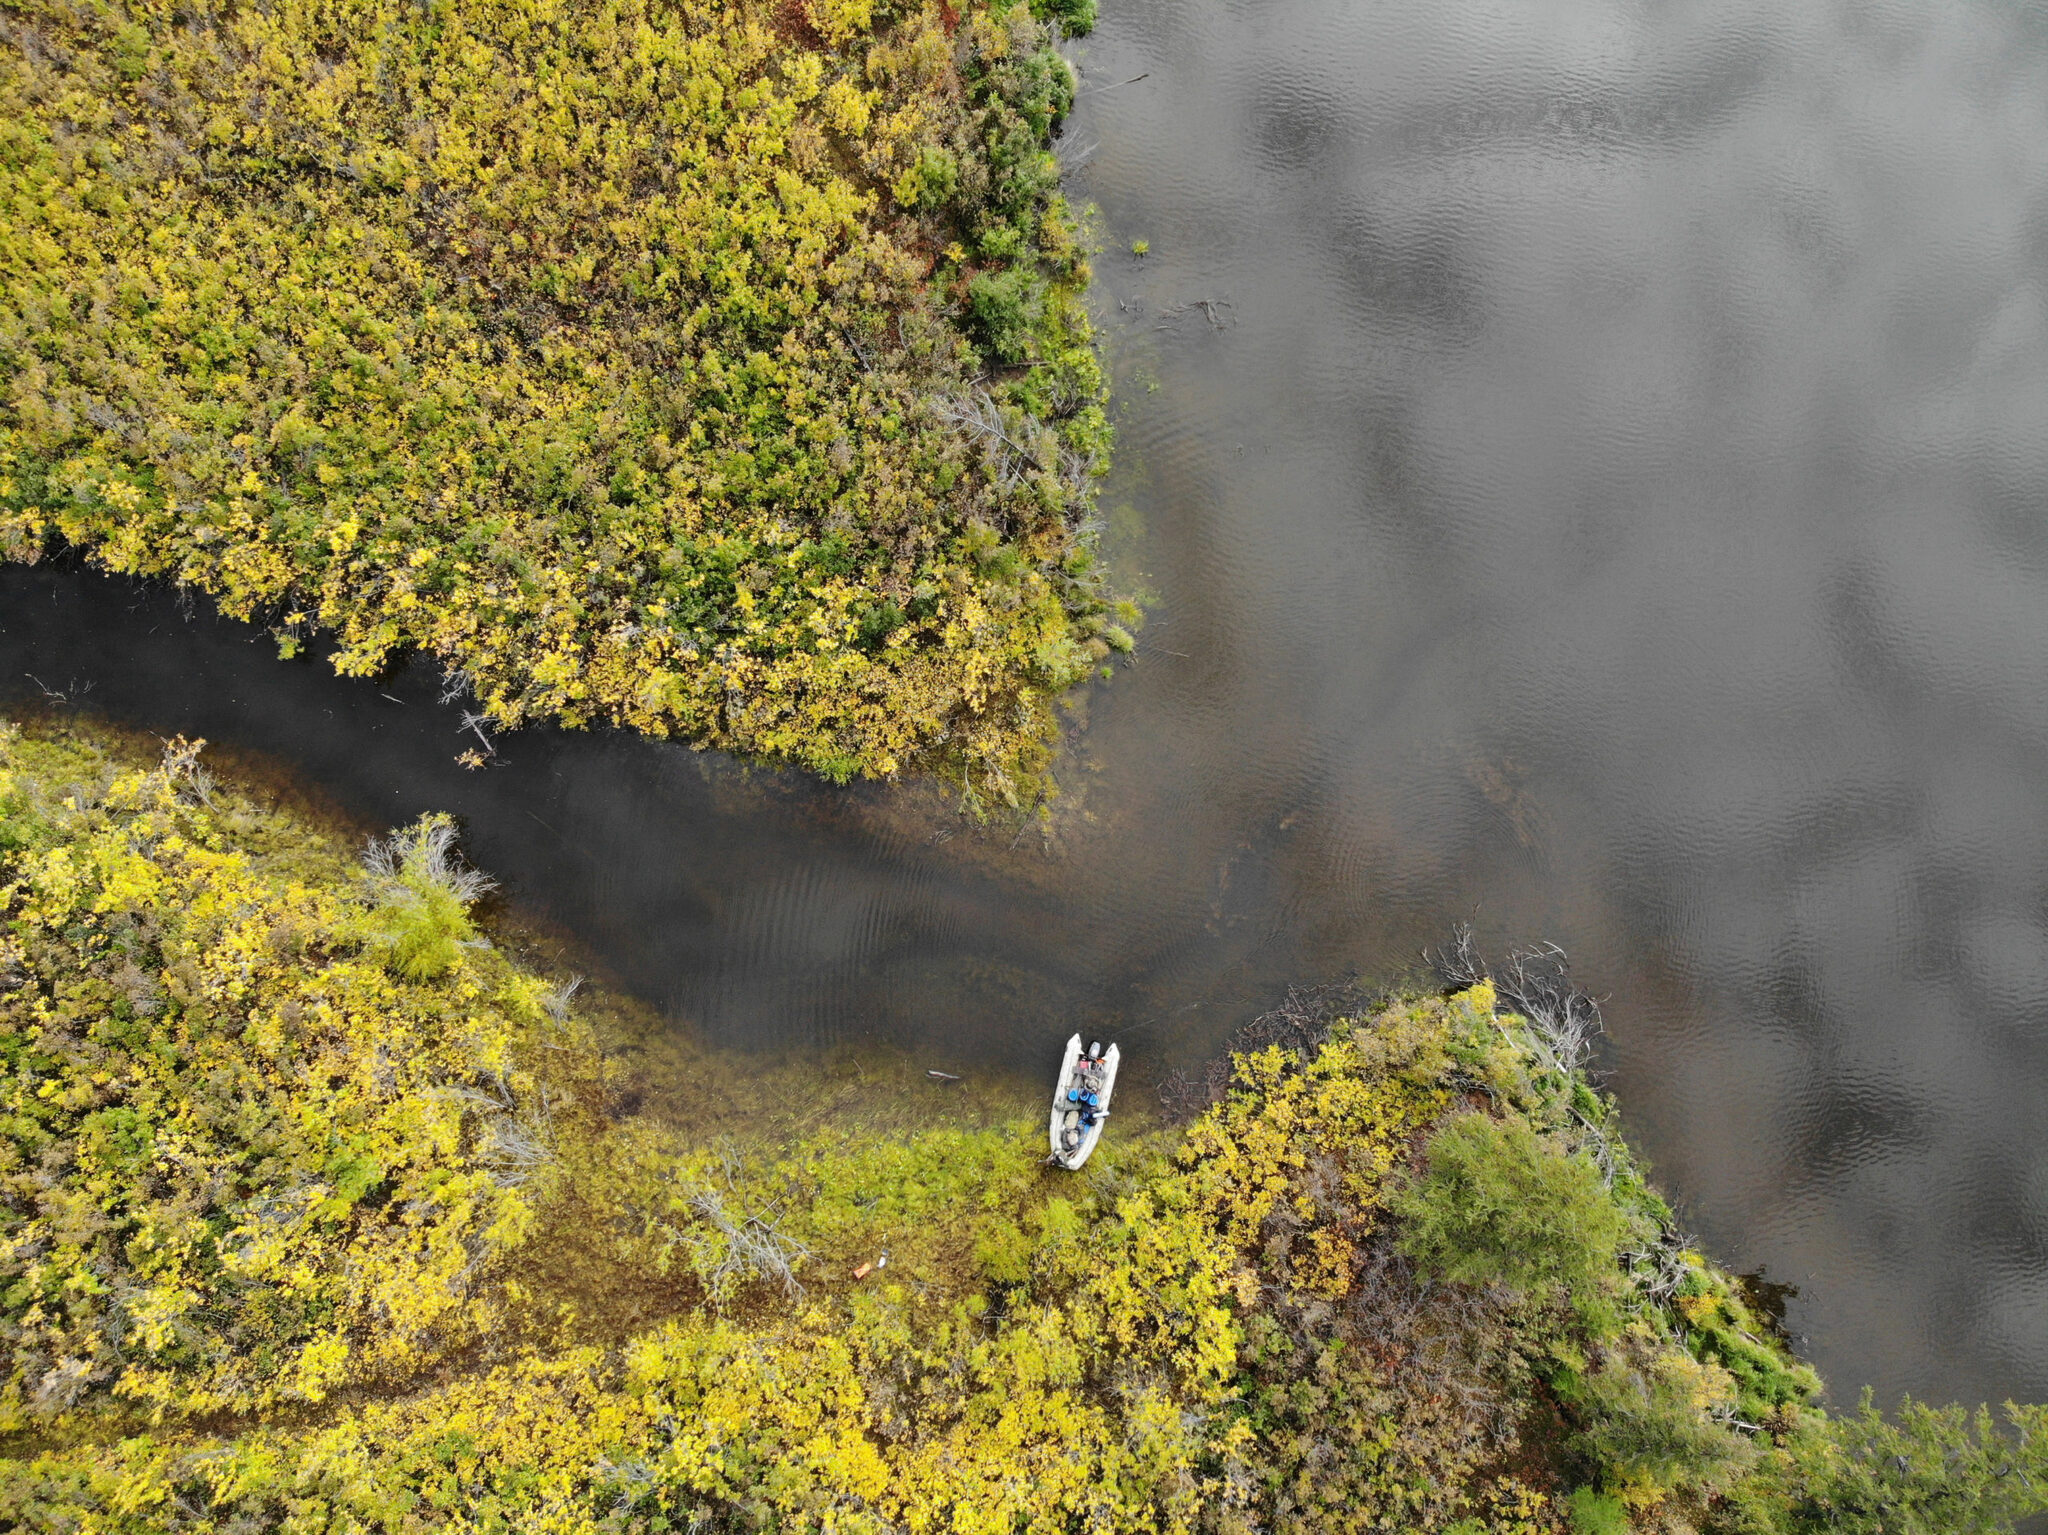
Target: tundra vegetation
320,1211
714,368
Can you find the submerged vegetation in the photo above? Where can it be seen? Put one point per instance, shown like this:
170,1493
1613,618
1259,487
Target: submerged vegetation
320,1212
712,369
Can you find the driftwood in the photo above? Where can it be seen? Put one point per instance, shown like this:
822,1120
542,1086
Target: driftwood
1536,984
1210,309
1097,90
1301,1023
981,415
69,695
742,1245
1558,1023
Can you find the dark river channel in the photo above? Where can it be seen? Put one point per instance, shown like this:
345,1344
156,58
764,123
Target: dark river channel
1589,463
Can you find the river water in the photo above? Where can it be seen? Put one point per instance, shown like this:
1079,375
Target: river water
1590,465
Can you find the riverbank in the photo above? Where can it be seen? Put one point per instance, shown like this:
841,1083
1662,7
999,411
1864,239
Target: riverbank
716,371
325,1210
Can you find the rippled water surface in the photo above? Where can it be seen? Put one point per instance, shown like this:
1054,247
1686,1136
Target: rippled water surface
1591,463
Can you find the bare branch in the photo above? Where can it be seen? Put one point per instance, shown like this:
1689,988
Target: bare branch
425,854
557,1001
1097,90
982,416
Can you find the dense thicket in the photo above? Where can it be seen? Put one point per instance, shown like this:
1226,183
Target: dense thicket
244,1159
715,369
279,1123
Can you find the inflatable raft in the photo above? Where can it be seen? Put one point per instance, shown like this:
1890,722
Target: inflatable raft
1080,1101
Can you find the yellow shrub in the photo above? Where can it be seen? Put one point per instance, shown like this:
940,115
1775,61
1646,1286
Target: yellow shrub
241,1162
247,1164
559,341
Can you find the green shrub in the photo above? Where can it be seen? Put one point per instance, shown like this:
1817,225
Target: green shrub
421,918
1500,1204
1720,1327
1653,1424
1037,86
18,823
1928,1471
1003,1252
936,177
1006,307
1596,1513
1001,242
1076,17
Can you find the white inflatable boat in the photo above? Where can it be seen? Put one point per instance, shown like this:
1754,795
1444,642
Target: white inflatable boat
1080,1101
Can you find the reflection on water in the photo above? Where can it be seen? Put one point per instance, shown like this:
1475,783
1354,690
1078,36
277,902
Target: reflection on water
1596,483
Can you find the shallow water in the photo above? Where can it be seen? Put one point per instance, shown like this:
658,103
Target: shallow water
1604,496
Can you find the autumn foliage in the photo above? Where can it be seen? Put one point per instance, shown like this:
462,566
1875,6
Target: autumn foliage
318,1212
243,1161
712,369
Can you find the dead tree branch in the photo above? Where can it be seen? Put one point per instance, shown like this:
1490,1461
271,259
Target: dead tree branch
1210,309
982,416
